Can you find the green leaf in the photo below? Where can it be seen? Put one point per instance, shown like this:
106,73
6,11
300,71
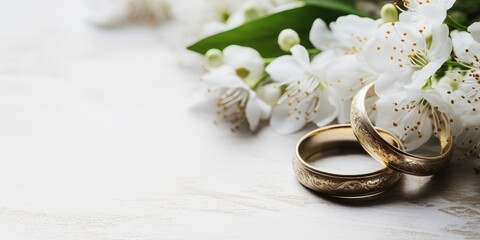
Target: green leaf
453,23
347,6
261,33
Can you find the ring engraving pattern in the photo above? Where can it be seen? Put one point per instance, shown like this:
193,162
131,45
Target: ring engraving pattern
339,185
343,186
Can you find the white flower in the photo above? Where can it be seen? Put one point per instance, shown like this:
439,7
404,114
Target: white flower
405,57
422,15
461,91
346,74
467,50
474,29
469,140
233,84
347,35
116,12
413,115
465,91
308,96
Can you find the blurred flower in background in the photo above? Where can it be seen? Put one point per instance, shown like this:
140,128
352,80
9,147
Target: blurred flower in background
117,12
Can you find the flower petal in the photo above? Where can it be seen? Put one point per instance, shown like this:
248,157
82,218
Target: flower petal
255,110
447,3
441,47
420,77
353,31
460,94
474,29
347,76
391,82
284,69
374,55
344,111
300,54
284,123
223,77
423,134
435,98
347,72
244,57
469,138
415,21
391,47
327,110
321,62
424,15
320,36
394,116
465,48
433,14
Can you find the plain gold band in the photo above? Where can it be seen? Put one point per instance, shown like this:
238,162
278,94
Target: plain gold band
338,185
394,157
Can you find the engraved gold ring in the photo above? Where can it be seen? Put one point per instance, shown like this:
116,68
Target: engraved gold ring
393,156
341,138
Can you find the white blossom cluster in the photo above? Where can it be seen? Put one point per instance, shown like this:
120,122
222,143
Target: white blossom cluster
427,76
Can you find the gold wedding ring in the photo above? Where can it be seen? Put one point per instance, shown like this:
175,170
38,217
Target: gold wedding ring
341,138
393,156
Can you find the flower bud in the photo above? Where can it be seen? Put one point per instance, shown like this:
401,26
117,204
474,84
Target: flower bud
269,93
287,39
252,11
389,13
214,57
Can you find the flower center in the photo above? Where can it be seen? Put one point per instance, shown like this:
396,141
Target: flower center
302,97
242,72
454,84
251,12
224,16
474,74
418,59
415,114
231,106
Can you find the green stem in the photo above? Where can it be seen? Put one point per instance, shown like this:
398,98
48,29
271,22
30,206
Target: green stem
453,23
453,64
268,60
313,51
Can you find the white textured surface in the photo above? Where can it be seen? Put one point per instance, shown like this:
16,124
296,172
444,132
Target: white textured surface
98,140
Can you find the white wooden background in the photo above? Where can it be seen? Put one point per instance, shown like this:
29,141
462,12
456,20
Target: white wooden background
99,140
